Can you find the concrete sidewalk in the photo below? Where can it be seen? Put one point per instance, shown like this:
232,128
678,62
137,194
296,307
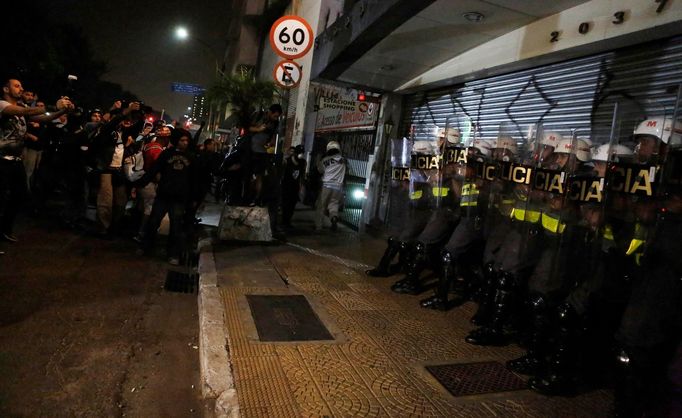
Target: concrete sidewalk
375,364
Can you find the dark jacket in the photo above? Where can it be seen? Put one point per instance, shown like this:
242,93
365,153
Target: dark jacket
178,176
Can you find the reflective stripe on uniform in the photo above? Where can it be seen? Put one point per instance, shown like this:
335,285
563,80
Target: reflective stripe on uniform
469,195
523,215
608,233
416,195
637,243
552,224
440,191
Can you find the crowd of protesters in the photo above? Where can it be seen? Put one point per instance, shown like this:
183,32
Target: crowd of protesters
58,161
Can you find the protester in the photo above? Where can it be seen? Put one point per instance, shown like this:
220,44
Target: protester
294,170
263,130
333,170
175,167
108,148
12,135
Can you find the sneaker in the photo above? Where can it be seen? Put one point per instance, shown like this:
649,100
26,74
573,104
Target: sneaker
174,261
9,237
335,221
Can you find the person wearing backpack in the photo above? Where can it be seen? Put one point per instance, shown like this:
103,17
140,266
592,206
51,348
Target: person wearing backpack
146,194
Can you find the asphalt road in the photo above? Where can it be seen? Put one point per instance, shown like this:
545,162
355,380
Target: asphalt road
86,329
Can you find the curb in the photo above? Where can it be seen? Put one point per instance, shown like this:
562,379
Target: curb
217,382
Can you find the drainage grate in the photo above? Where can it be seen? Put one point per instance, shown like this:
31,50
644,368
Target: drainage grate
181,282
286,318
476,378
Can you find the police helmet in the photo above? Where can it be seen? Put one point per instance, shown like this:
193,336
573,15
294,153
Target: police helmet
483,146
581,149
662,129
616,152
506,143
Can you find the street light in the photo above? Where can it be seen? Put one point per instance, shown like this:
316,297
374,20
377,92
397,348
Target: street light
181,33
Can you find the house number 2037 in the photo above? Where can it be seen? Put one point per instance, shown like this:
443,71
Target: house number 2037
617,19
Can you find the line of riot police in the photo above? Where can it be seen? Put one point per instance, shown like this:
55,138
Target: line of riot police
570,249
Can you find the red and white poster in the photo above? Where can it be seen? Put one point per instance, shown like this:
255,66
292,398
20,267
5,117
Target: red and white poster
338,108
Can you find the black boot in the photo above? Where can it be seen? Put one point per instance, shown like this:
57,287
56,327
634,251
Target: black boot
485,296
534,359
411,284
561,375
493,333
384,267
439,300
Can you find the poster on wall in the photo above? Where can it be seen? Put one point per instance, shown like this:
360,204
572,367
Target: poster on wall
338,109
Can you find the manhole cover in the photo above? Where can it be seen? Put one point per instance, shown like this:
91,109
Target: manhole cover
286,318
181,282
475,378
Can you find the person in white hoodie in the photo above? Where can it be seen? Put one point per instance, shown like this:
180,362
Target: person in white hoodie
333,169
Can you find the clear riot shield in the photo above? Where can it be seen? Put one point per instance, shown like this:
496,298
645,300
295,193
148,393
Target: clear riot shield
399,189
633,184
517,209
456,137
554,272
653,304
425,164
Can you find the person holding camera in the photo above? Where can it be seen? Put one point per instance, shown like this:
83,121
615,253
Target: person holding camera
108,149
13,128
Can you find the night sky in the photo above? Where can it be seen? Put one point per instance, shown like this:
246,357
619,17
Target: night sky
136,39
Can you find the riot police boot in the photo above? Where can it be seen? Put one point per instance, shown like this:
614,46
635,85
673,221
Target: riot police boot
485,296
384,267
411,284
493,333
439,301
560,376
534,360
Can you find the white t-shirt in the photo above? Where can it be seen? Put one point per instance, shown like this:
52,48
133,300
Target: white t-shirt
117,159
333,169
12,132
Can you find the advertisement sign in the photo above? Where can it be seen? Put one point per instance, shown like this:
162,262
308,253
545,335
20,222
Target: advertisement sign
338,109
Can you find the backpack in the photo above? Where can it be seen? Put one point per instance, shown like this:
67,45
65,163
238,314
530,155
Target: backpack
133,166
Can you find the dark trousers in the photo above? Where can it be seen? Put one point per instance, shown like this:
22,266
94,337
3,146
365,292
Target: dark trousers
12,192
176,215
289,200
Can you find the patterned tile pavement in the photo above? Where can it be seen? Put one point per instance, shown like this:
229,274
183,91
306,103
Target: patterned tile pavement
375,367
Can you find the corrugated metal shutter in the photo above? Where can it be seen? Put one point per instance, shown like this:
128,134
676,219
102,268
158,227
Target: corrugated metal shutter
564,96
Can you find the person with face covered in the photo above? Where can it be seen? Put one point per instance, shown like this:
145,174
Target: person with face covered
294,170
175,169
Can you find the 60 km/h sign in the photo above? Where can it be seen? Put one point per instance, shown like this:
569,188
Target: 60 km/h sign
291,37
287,74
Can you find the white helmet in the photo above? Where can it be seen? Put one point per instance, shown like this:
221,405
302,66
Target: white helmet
661,128
581,149
483,146
551,138
616,151
507,143
333,145
453,135
423,147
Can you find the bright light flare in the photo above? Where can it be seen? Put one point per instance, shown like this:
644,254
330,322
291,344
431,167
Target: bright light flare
181,33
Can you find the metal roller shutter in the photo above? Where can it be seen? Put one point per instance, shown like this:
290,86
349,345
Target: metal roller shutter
577,94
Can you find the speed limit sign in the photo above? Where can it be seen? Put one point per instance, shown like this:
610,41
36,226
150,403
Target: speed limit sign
291,37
